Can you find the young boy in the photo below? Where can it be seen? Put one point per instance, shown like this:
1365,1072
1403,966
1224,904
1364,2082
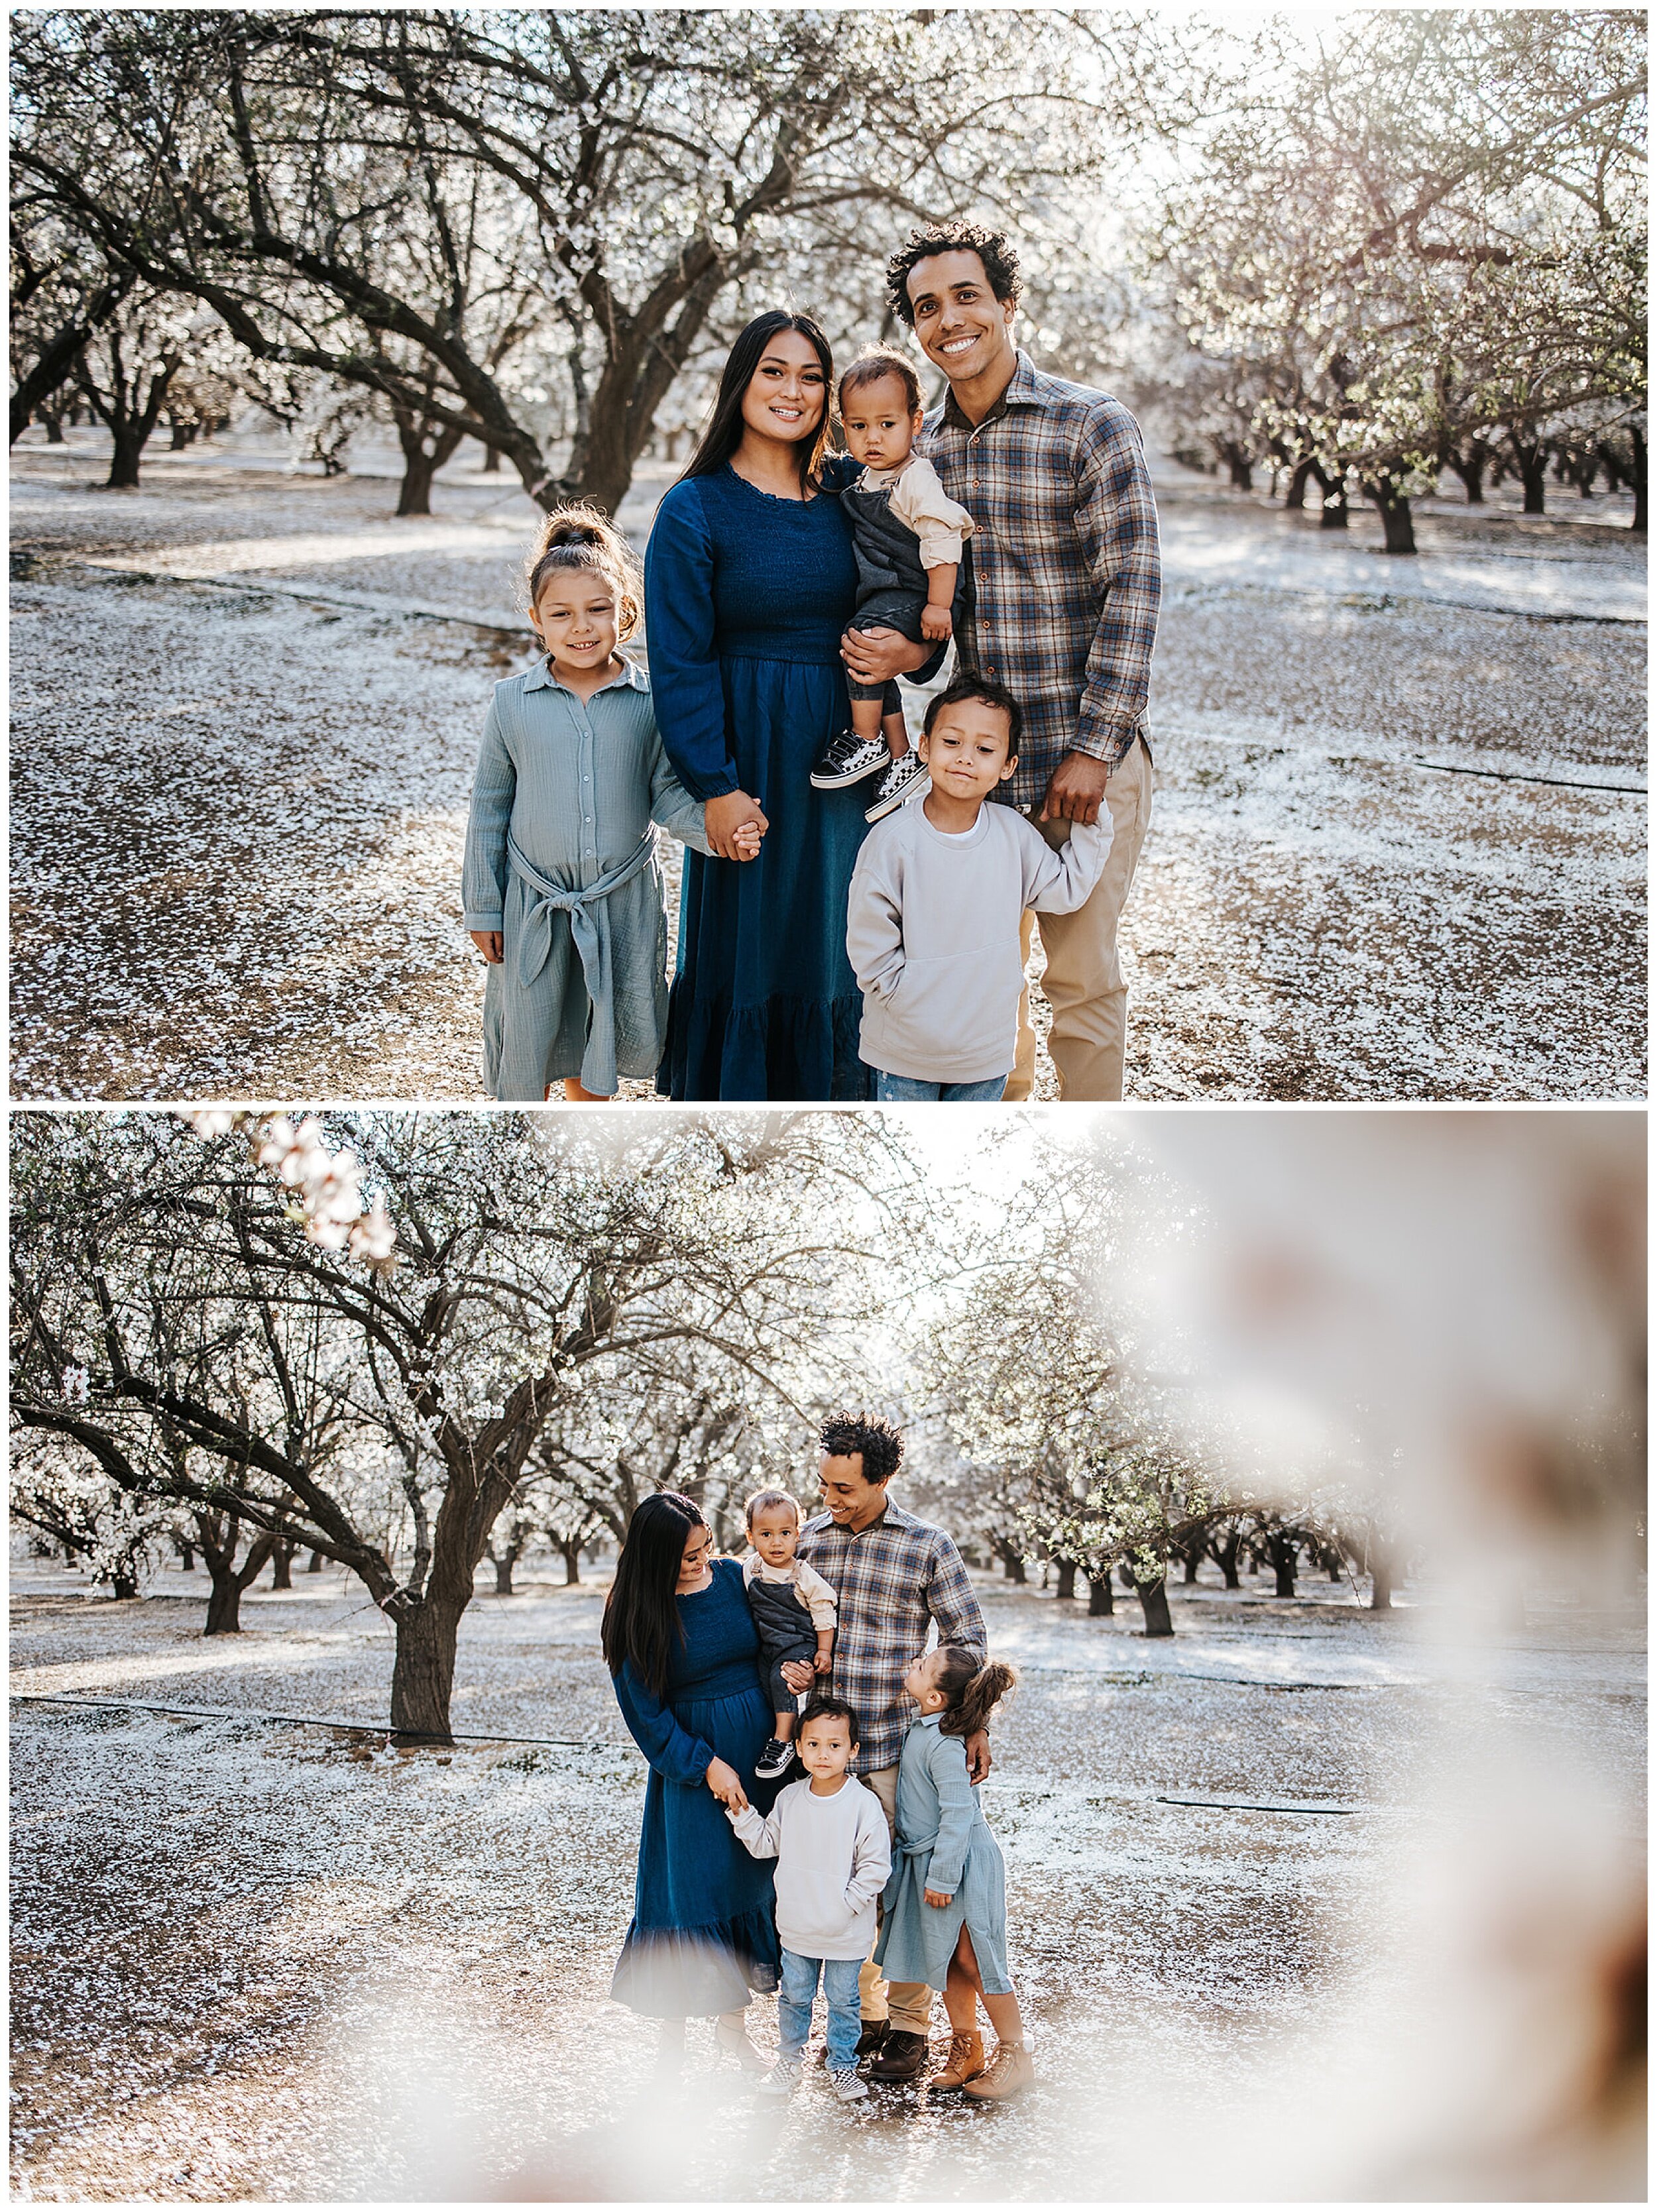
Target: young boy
906,533
828,1836
794,1615
932,926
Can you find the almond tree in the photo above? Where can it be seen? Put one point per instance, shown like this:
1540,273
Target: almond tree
172,1270
359,193
1425,232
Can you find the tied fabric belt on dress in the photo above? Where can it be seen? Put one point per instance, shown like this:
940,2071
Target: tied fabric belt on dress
592,935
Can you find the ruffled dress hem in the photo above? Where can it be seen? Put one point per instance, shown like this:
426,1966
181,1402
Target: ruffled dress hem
781,1048
687,1973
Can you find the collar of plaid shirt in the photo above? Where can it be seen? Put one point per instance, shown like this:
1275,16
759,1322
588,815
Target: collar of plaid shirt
1022,391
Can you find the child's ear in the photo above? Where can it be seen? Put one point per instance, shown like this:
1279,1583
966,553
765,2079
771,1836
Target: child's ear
1009,768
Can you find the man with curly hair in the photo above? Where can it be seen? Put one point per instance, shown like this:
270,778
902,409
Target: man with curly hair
894,1578
1061,591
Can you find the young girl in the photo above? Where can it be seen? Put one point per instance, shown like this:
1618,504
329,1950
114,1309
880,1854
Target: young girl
946,1903
562,888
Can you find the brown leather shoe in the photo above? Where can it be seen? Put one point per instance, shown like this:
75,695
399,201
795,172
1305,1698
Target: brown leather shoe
965,2062
1009,2074
903,2054
872,2037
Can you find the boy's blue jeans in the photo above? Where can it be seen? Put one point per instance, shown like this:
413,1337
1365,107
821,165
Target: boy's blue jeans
798,1993
909,1090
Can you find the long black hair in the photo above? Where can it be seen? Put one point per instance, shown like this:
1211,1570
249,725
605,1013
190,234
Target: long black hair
641,1622
724,432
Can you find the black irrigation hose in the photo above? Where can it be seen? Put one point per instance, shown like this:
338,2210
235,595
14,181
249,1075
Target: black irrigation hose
1249,1805
301,1720
292,591
1512,776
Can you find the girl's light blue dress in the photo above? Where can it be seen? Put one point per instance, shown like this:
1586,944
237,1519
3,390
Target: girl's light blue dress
560,858
943,1843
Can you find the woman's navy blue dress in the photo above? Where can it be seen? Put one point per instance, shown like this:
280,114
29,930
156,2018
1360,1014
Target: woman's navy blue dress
745,597
702,1936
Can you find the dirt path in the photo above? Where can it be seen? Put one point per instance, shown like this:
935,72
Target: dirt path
259,1960
238,804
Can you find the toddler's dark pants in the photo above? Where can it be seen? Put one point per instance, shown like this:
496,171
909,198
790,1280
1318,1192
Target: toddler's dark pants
784,1627
899,610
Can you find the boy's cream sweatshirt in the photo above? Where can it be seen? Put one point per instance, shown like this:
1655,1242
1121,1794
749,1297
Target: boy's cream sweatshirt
833,1855
932,930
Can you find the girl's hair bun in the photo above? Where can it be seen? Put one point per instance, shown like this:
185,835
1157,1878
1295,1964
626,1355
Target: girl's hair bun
579,536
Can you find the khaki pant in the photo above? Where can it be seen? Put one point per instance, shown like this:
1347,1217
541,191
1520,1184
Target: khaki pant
1083,981
907,2004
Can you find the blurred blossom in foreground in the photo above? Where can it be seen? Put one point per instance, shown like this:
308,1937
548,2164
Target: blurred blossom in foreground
1463,1296
327,1186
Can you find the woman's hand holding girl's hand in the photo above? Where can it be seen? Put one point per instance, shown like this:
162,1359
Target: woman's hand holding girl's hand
937,1897
723,817
726,1786
488,942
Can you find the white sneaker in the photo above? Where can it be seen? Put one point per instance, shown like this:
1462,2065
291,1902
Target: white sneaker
782,2080
906,777
848,2086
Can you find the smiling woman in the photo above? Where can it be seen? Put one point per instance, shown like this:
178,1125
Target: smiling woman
682,1650
749,582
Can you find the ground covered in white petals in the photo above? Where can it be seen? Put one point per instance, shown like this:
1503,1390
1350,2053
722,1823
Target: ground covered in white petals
1397,847
256,1959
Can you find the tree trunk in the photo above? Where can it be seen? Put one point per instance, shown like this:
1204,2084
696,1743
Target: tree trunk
227,1581
1335,508
1471,469
186,1558
424,453
1638,473
314,1564
1305,472
1101,1599
1067,1579
1192,1557
422,1673
1154,1598
502,1574
1282,1562
491,460
123,1583
1381,1579
1534,475
571,1562
1241,469
1399,530
51,418
282,1566
224,1605
1225,1558
130,441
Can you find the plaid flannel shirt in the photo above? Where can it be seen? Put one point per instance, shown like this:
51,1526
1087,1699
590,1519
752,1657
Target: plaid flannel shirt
891,1582
1066,573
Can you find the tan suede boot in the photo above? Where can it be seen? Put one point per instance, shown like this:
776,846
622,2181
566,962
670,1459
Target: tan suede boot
965,2062
1009,2073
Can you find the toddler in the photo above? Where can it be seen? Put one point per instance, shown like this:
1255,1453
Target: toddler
828,1836
945,1906
937,895
906,533
562,887
793,1613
